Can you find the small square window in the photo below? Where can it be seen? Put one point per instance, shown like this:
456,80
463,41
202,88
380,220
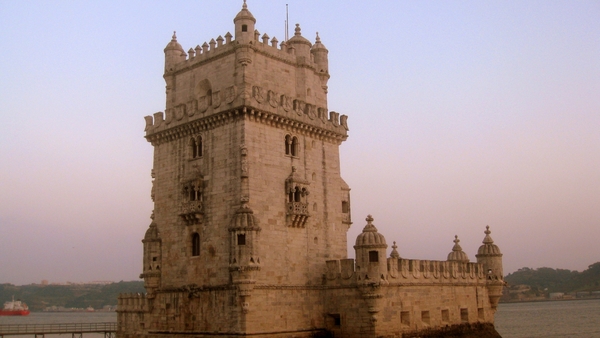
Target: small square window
405,318
373,256
445,316
464,315
241,239
337,320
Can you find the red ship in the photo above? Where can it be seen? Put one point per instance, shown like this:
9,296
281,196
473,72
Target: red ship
14,308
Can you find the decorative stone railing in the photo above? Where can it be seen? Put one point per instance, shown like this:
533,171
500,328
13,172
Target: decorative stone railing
410,271
191,212
297,214
297,208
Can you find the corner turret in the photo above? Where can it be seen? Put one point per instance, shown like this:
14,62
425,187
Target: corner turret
490,256
174,53
370,247
319,53
244,25
152,259
300,44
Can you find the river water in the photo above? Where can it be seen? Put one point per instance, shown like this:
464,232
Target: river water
569,318
564,319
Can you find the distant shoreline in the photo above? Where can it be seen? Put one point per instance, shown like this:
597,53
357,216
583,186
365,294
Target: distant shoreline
546,300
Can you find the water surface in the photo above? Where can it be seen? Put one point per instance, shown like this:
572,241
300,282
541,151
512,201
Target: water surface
570,318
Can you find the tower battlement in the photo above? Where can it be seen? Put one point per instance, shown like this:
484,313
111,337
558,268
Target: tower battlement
214,49
229,73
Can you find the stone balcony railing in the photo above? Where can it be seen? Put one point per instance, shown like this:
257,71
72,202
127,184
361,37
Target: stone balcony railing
297,208
297,214
191,212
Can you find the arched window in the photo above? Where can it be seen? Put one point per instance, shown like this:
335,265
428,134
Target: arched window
199,146
195,244
288,144
297,195
291,145
294,148
193,148
195,145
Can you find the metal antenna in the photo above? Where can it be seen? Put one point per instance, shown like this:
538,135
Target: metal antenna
287,20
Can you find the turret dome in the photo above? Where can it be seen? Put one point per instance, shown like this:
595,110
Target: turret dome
318,44
488,247
244,14
152,232
298,38
244,219
457,253
369,236
174,45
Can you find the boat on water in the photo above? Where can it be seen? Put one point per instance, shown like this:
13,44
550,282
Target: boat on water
14,308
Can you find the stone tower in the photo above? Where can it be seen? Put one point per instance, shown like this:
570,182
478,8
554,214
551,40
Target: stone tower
247,189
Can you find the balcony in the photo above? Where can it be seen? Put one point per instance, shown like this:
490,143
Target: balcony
297,214
191,212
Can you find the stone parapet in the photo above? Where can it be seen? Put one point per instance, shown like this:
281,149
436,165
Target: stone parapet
409,271
132,302
333,128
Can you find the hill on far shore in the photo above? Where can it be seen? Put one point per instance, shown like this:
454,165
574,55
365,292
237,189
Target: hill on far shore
38,296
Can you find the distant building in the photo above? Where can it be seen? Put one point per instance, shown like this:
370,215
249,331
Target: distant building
556,295
248,236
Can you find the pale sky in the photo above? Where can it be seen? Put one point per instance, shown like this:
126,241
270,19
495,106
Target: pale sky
462,114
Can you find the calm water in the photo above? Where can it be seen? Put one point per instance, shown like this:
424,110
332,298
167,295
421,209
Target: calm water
576,318
61,317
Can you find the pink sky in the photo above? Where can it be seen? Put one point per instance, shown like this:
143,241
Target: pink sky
462,114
